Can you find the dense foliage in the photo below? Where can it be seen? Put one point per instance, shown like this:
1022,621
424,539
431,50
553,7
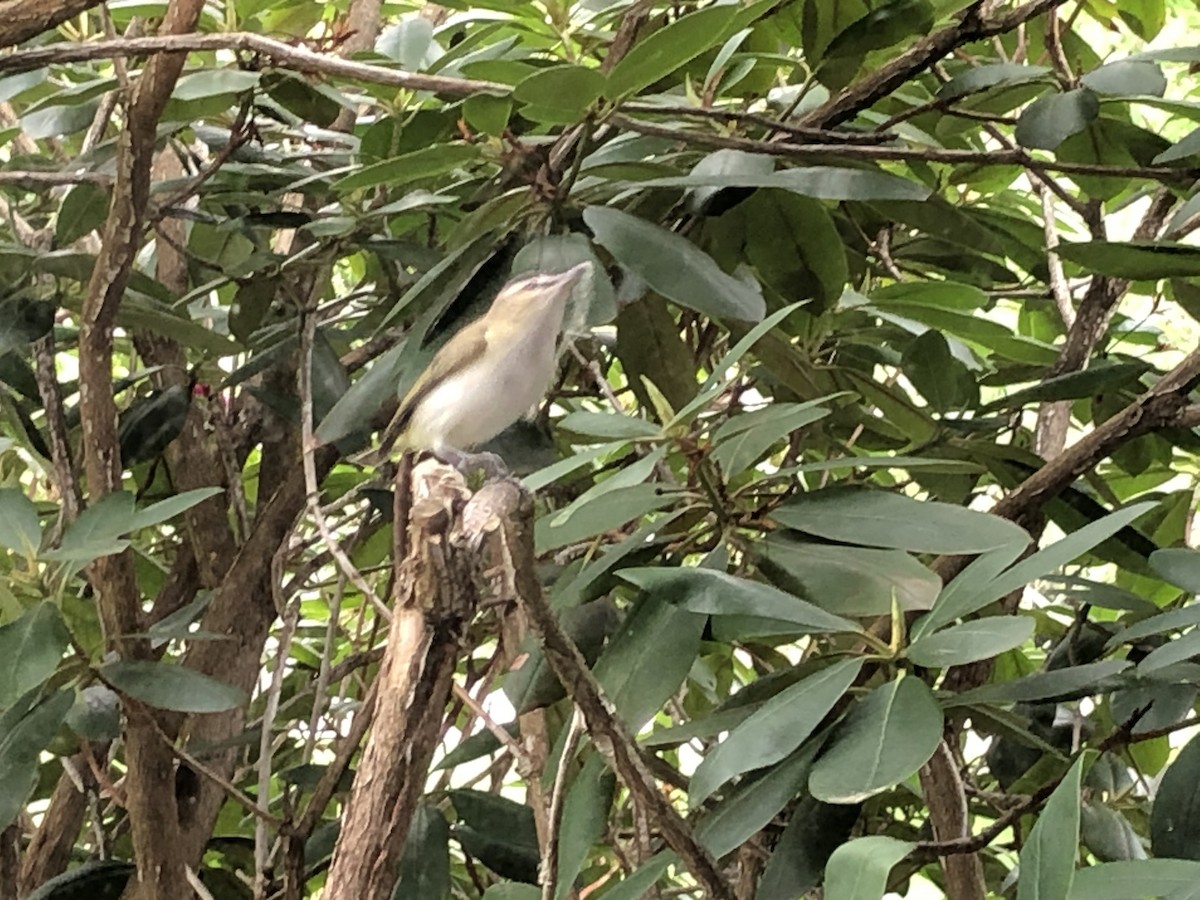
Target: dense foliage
867,487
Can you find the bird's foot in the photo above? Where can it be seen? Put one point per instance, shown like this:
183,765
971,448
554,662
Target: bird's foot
491,465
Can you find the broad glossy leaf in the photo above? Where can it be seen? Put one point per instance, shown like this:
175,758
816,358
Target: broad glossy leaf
20,529
83,209
425,863
1048,856
171,507
1099,377
1178,565
942,379
1139,260
1128,77
980,78
511,890
30,650
1137,880
1108,834
646,661
609,426
737,448
667,49
709,592
23,320
173,687
407,42
976,593
883,519
775,729
1189,145
559,94
1068,683
364,397
409,167
606,510
674,267
971,641
1054,117
1171,620
848,581
886,737
858,870
499,832
92,880
750,806
1176,650
798,861
214,82
25,730
584,816
96,531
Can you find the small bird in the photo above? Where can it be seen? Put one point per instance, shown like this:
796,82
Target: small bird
489,374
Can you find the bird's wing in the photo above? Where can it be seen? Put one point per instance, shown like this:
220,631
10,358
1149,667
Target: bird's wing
473,342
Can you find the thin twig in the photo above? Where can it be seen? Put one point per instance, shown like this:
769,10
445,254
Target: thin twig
298,58
311,488
550,858
492,725
1008,157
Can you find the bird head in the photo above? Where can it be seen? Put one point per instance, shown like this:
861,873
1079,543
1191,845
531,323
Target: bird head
539,290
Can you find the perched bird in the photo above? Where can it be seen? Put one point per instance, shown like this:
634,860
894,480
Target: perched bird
489,374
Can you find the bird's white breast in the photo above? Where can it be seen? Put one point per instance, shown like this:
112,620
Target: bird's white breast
478,402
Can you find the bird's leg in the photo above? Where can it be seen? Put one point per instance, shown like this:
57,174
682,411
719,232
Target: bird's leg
490,464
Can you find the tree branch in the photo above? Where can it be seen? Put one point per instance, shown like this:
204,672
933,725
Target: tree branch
297,58
21,20
788,150
920,56
609,733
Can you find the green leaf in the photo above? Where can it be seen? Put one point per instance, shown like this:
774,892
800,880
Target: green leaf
498,832
1048,856
673,266
980,78
1095,379
20,529
1108,834
1183,647
25,730
1054,117
750,807
608,509
364,397
883,519
609,426
406,42
511,890
83,210
1141,879
24,320
214,82
1189,145
941,379
818,182
425,863
776,729
1175,815
667,49
173,687
30,650
741,442
885,738
1138,260
848,581
1178,565
977,593
709,592
971,641
560,94
1071,682
171,507
584,817
797,864
858,870
488,113
409,167
95,533
1128,77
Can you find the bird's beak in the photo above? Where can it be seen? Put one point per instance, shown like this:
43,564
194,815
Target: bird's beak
572,276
